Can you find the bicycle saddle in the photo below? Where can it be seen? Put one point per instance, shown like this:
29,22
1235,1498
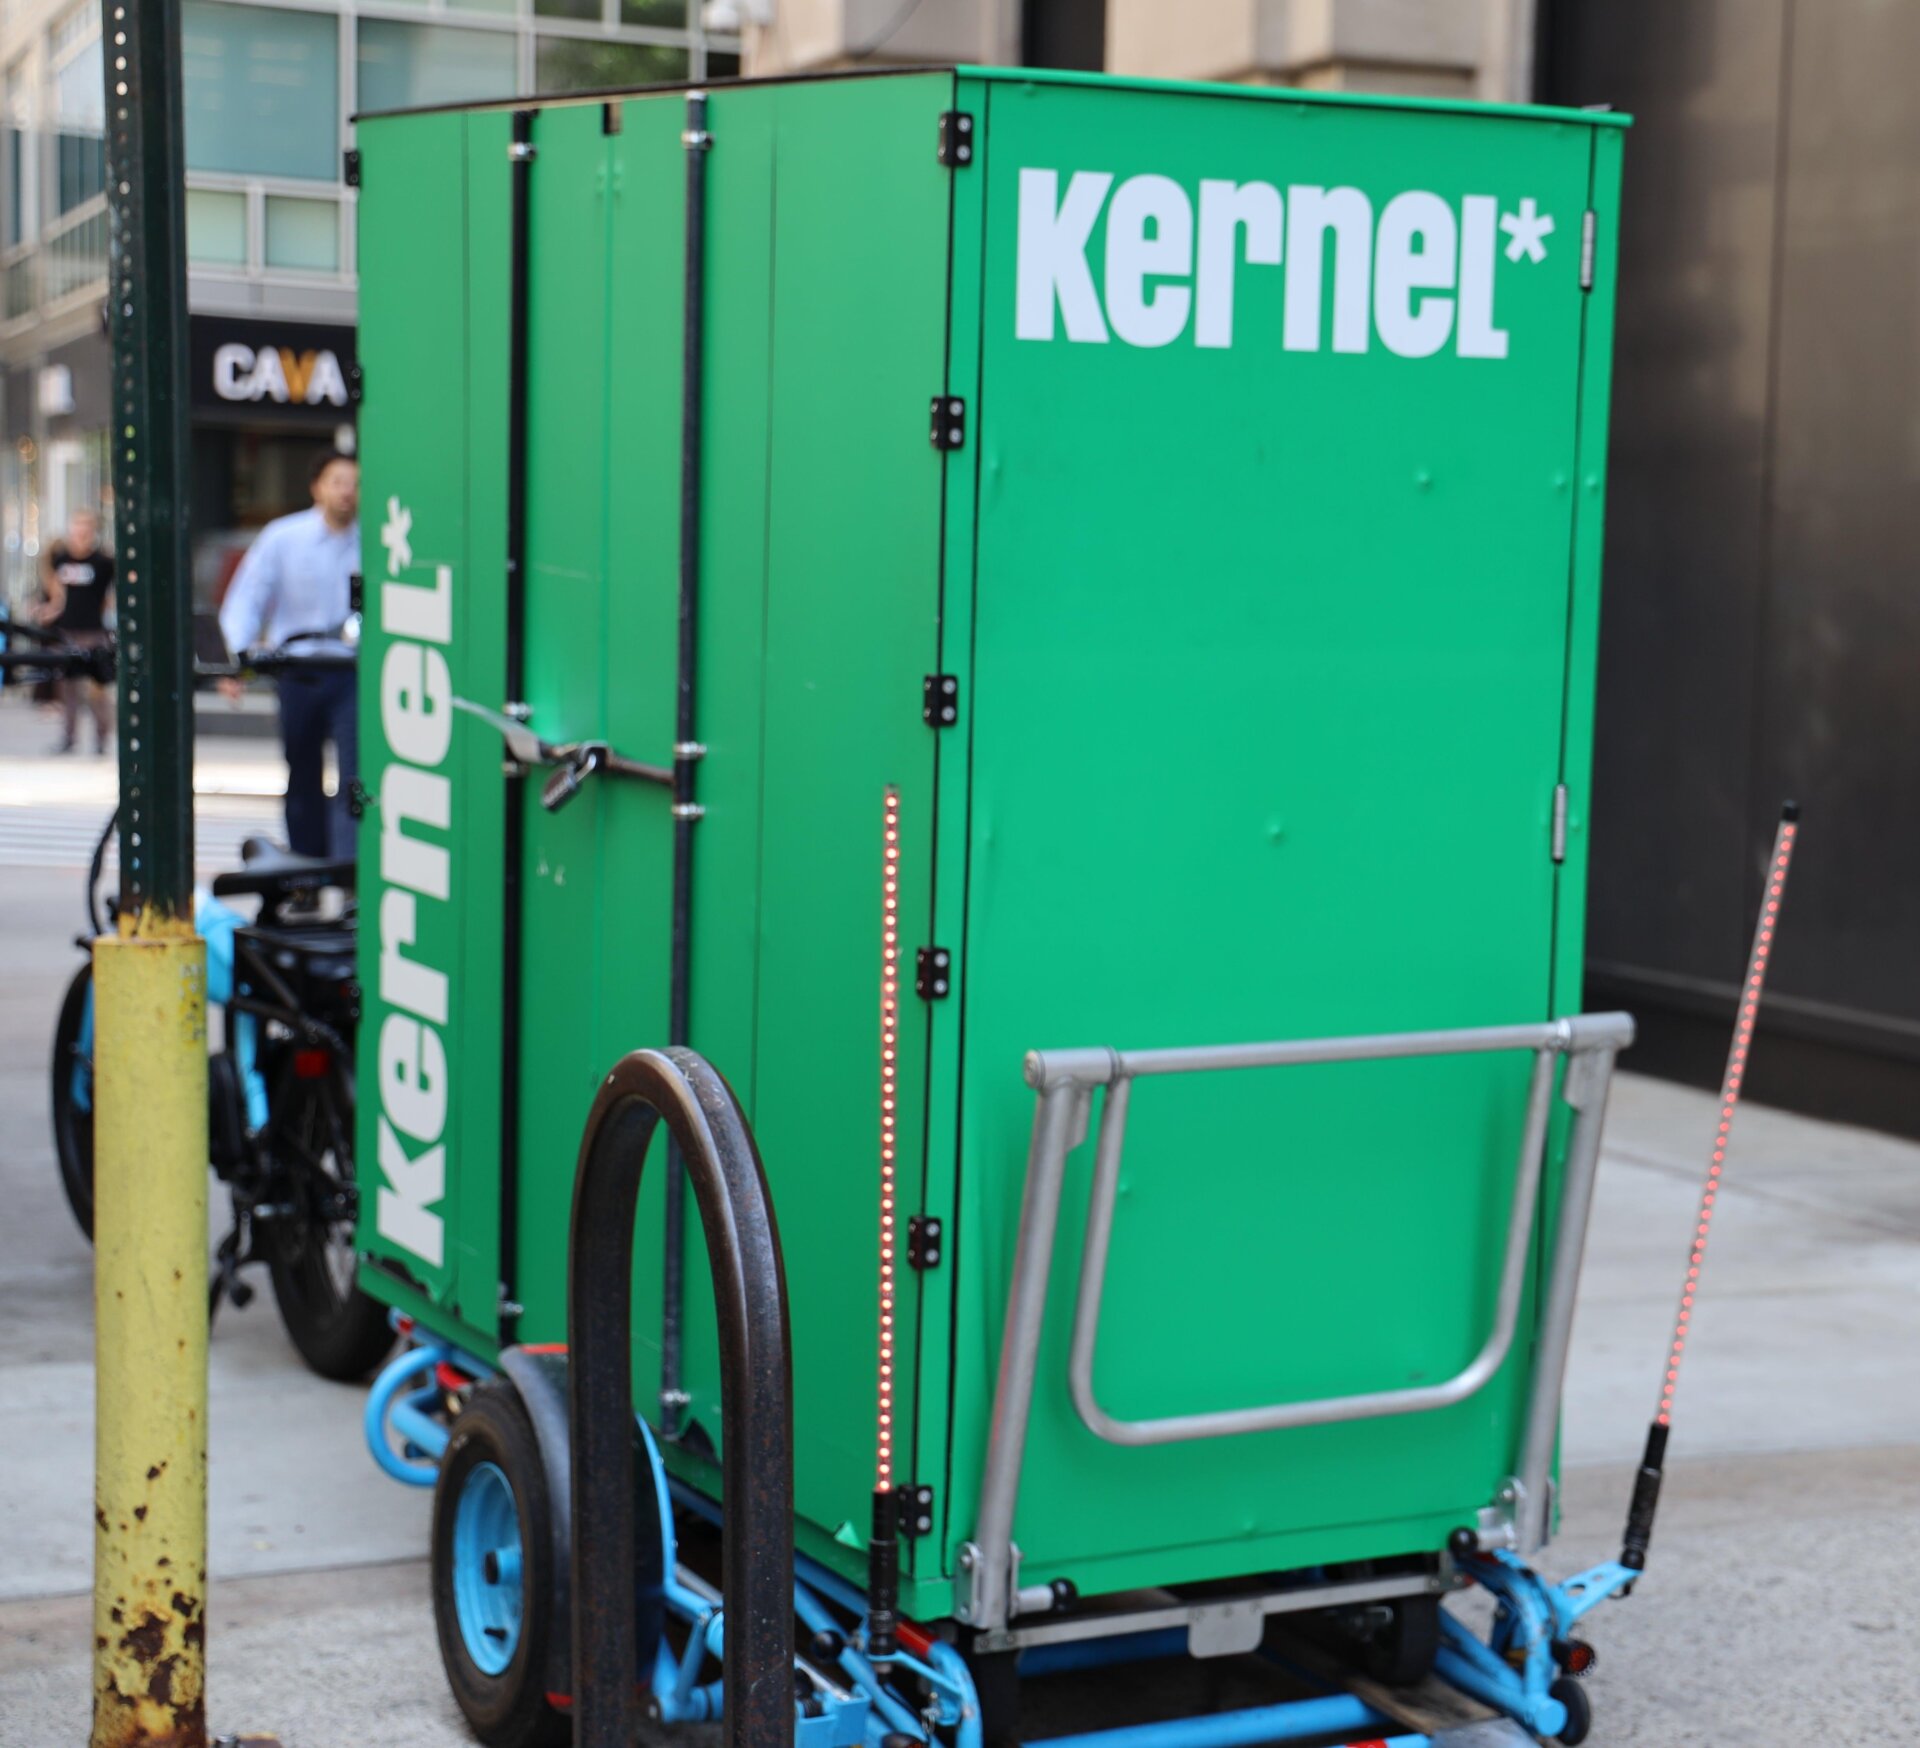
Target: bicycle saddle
267,868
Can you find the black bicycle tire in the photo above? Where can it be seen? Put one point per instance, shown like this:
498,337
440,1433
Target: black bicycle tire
73,1127
342,1338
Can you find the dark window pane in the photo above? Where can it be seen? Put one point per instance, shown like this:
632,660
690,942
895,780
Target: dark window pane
82,169
569,64
568,8
671,13
721,66
16,141
403,66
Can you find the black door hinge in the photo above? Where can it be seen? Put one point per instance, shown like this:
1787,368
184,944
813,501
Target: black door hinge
933,973
948,429
915,1514
923,1241
356,593
350,167
356,385
956,139
358,800
940,700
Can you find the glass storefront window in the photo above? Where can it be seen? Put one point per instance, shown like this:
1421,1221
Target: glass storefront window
303,233
405,65
582,9
566,63
262,90
217,227
672,14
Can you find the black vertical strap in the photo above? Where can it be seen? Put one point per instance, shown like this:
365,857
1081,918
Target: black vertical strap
686,753
513,836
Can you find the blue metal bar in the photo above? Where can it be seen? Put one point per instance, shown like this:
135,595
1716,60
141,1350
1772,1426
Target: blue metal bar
824,1579
854,1665
1578,1596
401,1374
950,1664
1144,1647
1277,1723
831,1585
410,1418
1463,1662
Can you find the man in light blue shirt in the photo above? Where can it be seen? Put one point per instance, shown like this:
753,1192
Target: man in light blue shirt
296,578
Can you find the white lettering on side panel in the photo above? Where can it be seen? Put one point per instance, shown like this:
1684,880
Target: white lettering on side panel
416,721
1418,275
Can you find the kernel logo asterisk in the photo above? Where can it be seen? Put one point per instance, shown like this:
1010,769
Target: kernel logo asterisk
1527,230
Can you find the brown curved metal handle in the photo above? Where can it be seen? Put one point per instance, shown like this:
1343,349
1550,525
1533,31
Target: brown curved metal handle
685,1091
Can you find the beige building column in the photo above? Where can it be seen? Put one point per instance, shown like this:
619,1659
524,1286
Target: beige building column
1429,48
802,36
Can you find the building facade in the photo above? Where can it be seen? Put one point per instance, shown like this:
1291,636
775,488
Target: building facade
270,87
1761,620
1449,48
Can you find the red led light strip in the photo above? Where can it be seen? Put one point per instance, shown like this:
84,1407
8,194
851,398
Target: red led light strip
889,1088
1729,1098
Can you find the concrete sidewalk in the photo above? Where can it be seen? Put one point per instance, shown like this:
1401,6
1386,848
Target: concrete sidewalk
1780,1608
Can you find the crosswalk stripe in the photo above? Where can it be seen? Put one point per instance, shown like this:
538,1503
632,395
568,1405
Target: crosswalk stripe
57,836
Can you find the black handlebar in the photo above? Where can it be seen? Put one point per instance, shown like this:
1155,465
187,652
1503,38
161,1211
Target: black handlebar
58,660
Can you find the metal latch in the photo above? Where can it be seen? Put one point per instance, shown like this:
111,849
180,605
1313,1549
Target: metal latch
1589,227
1559,845
933,973
924,1234
940,700
915,1515
948,429
956,139
571,764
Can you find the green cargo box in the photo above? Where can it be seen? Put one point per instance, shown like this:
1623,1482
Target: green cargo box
1187,502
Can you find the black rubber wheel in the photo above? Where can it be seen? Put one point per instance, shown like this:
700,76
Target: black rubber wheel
1401,1653
492,1525
1579,1710
73,1081
340,1332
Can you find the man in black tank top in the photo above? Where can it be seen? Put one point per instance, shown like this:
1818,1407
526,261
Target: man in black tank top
79,582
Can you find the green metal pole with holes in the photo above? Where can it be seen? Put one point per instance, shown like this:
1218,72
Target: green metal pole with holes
150,1220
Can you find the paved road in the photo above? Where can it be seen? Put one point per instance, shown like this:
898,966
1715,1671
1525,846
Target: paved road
1781,1611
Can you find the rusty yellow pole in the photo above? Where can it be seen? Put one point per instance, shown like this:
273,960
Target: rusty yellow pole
149,977
150,1336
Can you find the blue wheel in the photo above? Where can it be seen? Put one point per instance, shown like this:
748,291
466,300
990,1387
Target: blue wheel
486,1568
493,1579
